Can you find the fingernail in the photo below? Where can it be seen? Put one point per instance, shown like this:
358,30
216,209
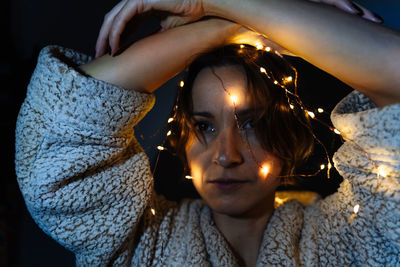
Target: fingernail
379,18
358,10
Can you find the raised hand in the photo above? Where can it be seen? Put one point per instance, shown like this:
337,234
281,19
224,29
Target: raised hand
183,11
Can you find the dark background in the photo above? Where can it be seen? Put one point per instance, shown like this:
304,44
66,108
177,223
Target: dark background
28,26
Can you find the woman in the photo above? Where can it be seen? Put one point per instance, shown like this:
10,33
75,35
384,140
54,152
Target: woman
87,182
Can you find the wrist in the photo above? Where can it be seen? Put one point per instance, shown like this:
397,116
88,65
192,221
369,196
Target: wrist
214,8
220,31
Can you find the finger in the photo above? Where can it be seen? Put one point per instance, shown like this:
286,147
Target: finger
102,39
348,7
354,8
130,9
344,5
368,14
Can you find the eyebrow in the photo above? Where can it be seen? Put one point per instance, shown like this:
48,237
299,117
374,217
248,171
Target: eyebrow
203,114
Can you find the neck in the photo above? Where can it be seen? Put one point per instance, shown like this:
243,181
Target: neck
244,233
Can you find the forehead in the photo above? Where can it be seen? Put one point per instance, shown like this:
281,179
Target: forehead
217,87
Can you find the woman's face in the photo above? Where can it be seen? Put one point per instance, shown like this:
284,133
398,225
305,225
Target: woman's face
226,164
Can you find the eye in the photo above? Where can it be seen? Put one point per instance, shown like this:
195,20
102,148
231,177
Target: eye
247,125
204,127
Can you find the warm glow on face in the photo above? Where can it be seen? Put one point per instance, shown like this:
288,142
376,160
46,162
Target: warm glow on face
234,99
265,169
233,176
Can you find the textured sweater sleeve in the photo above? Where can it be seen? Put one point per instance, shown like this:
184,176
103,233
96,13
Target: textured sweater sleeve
372,145
85,179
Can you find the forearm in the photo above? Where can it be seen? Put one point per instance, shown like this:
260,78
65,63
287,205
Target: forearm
362,54
152,61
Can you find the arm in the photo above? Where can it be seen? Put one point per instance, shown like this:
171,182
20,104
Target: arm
362,54
170,51
85,179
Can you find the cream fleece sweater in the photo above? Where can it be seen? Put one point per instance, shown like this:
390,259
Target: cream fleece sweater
87,183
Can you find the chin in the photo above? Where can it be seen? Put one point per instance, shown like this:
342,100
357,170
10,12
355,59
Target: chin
231,209
243,207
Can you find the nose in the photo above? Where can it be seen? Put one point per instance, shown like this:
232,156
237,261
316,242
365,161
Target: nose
228,149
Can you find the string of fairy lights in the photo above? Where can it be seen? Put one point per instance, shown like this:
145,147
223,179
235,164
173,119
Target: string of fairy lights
293,103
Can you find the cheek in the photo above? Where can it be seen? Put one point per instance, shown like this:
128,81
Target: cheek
196,157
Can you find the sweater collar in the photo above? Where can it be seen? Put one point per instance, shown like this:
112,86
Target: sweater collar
280,240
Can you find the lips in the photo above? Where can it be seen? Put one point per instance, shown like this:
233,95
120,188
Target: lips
228,183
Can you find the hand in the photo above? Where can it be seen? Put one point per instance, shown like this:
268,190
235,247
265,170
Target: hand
352,8
114,21
183,11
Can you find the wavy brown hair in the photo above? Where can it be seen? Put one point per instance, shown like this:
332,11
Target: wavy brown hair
283,131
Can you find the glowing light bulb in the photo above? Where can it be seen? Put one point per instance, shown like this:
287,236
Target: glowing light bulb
169,133
289,79
311,114
336,131
275,82
322,166
356,208
170,120
182,83
329,166
279,201
161,148
259,46
234,99
262,70
153,211
291,106
381,171
268,49
320,110
265,169
188,177
242,46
